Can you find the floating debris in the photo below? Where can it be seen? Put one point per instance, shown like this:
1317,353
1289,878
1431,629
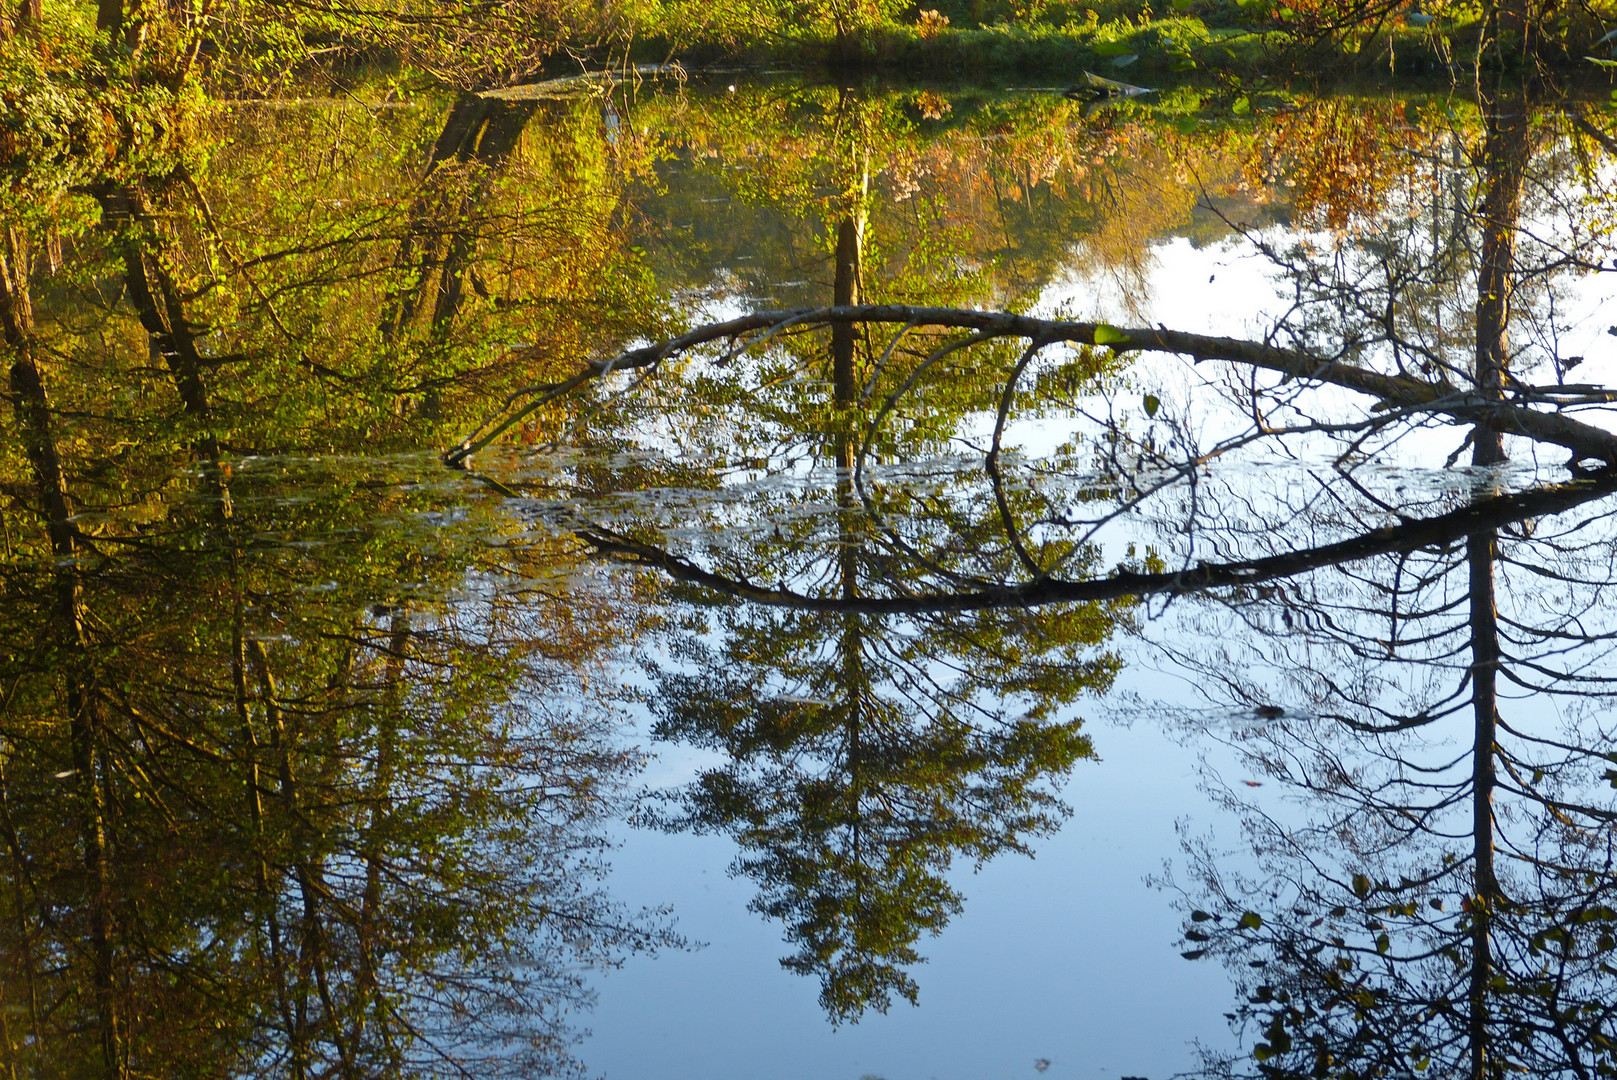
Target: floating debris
1098,87
589,82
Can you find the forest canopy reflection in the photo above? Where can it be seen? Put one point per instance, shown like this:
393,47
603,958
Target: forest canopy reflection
304,771
310,749
1445,908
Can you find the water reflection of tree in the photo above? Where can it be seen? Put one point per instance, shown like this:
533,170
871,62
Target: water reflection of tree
980,204
865,755
1441,895
775,696
1439,898
286,787
301,838
1430,898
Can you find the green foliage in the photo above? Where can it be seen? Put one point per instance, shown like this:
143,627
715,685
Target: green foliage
306,762
856,778
262,47
71,116
314,772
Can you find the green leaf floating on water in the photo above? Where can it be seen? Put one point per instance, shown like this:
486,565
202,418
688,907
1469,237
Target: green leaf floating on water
1109,335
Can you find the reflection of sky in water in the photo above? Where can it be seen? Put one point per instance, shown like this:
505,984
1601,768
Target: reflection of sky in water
1226,289
1069,956
1070,960
1072,956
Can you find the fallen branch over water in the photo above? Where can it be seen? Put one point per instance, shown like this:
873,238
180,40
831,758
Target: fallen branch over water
1439,396
1436,531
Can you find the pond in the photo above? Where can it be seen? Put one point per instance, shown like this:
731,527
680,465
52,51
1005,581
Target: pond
694,578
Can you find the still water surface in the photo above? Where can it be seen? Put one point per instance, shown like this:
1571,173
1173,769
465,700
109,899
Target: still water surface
845,704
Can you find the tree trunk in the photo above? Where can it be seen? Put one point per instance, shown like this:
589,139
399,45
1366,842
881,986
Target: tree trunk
390,720
16,299
1481,550
109,16
157,303
845,292
480,132
37,422
1505,157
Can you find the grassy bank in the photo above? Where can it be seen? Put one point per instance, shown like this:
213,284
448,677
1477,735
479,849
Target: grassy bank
1198,42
